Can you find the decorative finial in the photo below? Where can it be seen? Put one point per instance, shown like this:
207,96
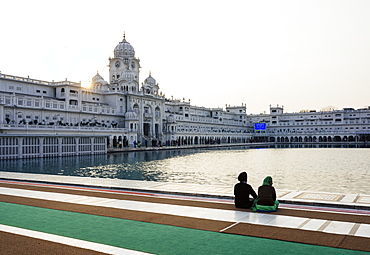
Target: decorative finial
150,73
124,35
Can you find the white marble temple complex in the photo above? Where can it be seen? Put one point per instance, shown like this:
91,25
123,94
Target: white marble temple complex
65,116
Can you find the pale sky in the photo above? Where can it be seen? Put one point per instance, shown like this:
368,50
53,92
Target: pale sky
299,54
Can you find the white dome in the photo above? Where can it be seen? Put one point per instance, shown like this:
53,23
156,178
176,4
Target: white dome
98,79
124,49
150,81
131,115
128,76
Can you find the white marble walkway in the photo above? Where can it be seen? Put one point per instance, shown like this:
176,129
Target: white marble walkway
334,227
358,201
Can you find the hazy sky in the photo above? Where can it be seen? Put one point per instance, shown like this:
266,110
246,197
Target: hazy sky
300,54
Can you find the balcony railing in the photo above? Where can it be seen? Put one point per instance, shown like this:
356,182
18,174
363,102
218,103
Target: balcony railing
21,127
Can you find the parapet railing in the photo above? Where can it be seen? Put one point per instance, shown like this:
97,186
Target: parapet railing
62,128
23,79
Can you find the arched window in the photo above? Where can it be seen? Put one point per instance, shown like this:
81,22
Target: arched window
157,112
136,109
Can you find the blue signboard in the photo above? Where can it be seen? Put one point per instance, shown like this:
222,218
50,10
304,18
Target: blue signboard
259,126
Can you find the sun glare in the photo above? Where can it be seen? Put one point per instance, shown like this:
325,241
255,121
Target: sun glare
85,84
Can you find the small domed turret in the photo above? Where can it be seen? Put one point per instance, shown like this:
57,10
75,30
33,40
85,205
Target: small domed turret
131,115
150,81
98,83
98,79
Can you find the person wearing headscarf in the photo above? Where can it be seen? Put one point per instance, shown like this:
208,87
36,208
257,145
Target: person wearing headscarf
243,191
266,200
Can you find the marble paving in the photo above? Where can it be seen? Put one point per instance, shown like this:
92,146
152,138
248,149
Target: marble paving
334,227
291,196
206,191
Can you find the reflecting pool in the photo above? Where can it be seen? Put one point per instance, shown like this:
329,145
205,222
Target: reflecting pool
344,170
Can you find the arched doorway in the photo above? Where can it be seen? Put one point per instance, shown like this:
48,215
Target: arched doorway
156,130
115,141
146,129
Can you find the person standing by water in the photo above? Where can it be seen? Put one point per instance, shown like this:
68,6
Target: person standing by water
266,200
243,191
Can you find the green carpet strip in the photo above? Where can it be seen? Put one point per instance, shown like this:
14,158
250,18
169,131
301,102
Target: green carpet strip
148,237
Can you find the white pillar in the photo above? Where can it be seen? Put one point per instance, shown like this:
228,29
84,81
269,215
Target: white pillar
2,116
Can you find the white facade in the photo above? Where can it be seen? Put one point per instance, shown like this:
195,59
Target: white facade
127,112
346,125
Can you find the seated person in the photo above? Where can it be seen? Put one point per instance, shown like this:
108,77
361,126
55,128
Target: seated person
266,200
242,191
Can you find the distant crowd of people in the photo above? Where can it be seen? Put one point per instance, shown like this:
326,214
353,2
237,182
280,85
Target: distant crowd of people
158,143
246,197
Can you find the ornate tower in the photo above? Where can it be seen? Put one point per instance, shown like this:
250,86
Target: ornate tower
124,68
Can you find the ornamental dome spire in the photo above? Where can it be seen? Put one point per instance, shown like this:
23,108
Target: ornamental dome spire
150,80
97,78
124,49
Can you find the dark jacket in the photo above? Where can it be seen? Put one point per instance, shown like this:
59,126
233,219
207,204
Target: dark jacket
242,191
266,195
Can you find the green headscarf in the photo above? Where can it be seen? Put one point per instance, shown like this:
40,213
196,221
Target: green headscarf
267,180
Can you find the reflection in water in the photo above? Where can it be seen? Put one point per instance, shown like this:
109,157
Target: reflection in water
344,170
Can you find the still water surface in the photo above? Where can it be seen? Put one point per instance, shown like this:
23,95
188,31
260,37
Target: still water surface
342,170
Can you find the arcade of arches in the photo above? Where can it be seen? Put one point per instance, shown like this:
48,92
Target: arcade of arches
321,139
122,141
